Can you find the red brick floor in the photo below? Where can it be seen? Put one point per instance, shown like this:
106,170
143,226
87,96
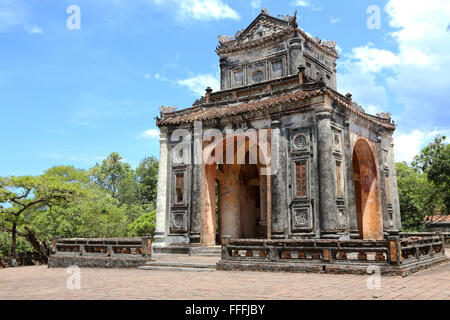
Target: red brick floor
39,282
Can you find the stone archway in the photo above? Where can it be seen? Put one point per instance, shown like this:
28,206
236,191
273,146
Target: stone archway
367,193
242,191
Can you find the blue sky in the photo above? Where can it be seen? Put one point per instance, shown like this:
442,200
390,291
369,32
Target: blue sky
74,96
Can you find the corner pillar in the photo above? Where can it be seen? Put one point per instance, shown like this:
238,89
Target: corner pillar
327,196
162,188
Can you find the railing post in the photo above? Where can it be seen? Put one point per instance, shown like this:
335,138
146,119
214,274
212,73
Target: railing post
441,235
54,241
146,248
394,248
225,254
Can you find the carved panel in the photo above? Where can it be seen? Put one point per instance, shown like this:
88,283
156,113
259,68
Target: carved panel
339,182
178,221
300,178
301,219
341,219
179,187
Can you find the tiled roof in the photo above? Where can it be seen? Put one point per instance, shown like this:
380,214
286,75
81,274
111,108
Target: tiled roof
208,112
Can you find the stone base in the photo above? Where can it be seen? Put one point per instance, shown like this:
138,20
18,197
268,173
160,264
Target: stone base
96,262
335,268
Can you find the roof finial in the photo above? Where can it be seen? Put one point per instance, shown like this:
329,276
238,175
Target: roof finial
264,10
295,24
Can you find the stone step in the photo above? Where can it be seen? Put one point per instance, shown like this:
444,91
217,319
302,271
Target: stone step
175,268
181,265
213,251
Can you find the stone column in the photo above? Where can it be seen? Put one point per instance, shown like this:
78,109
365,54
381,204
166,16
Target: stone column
382,185
327,184
229,209
208,213
223,74
277,209
162,195
295,55
196,206
351,202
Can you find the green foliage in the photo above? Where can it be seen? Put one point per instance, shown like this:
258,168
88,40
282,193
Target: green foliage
145,224
109,200
147,176
116,177
424,187
417,197
439,174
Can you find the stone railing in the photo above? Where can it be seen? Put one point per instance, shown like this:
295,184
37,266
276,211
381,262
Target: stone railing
100,252
305,250
398,254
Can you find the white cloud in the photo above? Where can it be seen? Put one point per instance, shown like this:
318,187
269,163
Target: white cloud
408,145
416,73
202,9
12,13
34,30
301,3
334,20
199,83
150,133
256,4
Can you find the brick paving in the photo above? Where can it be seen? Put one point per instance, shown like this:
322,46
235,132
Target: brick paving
39,282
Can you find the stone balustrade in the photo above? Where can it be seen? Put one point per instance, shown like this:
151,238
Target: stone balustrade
398,254
100,252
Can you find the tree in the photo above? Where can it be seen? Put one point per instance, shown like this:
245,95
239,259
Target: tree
21,197
145,224
117,177
147,176
417,197
439,174
434,161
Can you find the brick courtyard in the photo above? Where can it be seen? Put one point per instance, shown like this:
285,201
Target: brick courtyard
39,282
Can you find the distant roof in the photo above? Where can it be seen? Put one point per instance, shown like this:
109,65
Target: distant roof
438,218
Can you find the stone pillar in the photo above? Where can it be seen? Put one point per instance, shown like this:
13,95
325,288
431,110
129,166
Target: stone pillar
229,209
382,185
394,190
327,196
162,195
351,202
223,74
295,55
196,206
208,213
277,209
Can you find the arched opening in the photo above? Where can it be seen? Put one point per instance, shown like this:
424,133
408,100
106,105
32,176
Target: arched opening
367,197
234,195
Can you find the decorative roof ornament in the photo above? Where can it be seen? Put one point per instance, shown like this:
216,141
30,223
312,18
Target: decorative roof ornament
358,107
238,33
264,10
293,21
224,39
167,109
384,115
329,44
